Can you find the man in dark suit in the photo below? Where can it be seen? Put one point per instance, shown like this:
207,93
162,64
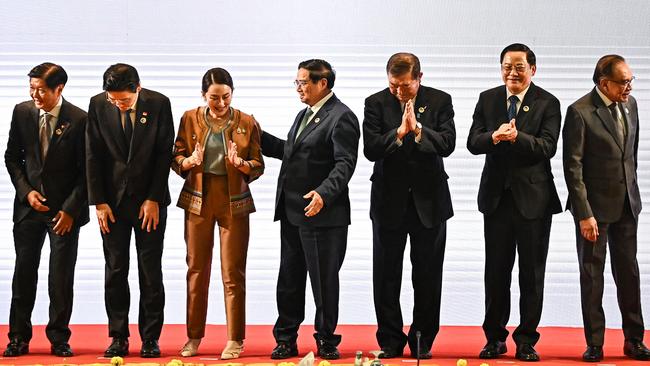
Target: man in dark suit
45,160
407,130
129,150
312,204
516,126
601,140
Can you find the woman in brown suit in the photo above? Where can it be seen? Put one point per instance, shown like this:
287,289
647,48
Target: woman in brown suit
217,151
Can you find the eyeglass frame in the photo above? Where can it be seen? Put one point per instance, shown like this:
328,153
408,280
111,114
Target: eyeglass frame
624,83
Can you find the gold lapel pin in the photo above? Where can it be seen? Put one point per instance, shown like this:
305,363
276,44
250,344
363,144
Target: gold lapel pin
143,120
526,109
316,120
238,130
422,109
58,131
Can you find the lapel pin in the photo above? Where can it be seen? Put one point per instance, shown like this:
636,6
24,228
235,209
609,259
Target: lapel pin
526,109
243,130
143,120
627,111
238,130
422,109
316,120
58,131
193,137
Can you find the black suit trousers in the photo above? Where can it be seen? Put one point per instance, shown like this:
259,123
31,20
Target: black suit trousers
29,236
319,252
507,232
427,256
622,238
149,248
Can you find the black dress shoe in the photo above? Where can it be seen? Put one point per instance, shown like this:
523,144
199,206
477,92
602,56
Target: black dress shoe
388,352
526,352
61,350
16,347
119,348
636,350
593,354
284,350
327,351
424,355
150,349
493,349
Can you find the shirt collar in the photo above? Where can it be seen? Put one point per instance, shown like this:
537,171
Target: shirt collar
520,95
316,107
55,111
606,100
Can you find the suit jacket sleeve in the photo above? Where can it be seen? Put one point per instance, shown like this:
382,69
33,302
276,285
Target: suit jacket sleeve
78,198
15,156
253,166
95,152
345,138
272,146
376,145
441,140
479,139
543,145
573,142
182,149
163,153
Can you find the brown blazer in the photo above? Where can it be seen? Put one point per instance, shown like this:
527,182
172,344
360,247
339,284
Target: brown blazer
242,130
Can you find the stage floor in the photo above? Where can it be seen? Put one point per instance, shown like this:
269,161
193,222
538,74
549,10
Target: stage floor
557,346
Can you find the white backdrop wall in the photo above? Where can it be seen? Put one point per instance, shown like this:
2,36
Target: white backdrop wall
260,42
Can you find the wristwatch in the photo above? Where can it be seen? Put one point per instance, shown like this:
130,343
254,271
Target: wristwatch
418,128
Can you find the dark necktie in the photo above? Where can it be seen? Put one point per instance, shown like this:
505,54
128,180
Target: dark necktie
305,120
618,118
44,134
128,128
512,109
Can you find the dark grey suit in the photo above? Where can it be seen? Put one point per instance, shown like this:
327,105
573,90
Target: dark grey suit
322,158
124,175
410,196
600,172
60,179
517,197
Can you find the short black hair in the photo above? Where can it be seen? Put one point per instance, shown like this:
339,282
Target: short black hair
216,75
53,74
402,63
519,47
319,69
121,77
605,67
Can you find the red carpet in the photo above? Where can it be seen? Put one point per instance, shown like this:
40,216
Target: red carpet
558,346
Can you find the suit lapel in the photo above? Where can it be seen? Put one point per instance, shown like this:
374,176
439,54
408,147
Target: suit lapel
140,123
527,105
33,130
316,120
62,125
606,117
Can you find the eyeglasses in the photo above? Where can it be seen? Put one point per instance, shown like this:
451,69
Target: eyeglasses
300,83
508,68
40,91
122,101
624,83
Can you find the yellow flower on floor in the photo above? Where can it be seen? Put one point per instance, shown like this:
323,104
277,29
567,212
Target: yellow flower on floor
117,361
324,363
286,364
175,362
484,364
461,362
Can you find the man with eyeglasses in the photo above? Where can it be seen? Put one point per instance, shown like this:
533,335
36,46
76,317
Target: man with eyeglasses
516,126
45,161
129,142
407,129
601,140
312,204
